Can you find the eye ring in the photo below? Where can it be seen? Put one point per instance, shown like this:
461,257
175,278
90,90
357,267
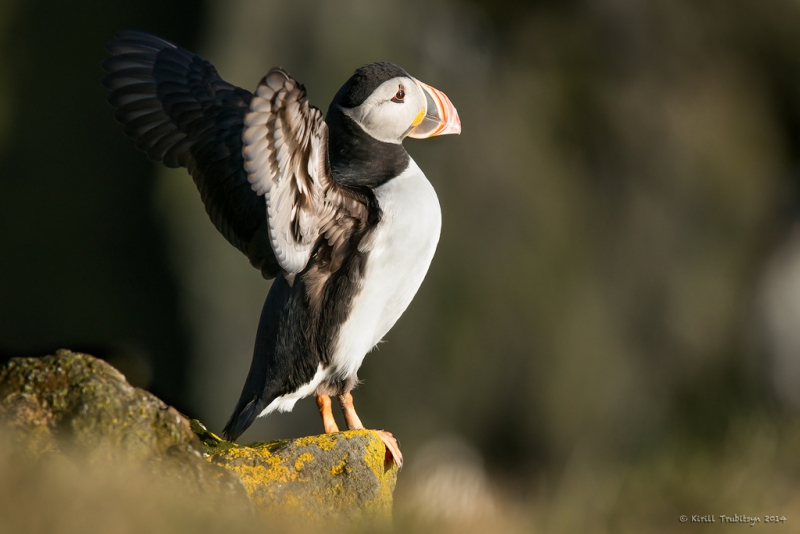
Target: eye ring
399,96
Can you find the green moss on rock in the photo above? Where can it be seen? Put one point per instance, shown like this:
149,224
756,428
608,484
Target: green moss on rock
74,402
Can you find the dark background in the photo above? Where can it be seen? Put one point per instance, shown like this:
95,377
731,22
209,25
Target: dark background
616,294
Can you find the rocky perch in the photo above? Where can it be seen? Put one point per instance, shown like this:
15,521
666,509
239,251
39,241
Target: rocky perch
71,403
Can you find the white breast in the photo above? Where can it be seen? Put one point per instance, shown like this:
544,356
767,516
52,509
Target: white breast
401,250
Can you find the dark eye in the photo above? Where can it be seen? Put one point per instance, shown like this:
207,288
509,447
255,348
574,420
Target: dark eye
399,95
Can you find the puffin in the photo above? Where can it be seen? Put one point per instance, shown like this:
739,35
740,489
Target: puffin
332,208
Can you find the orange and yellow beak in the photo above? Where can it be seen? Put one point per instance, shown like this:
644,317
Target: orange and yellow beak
439,116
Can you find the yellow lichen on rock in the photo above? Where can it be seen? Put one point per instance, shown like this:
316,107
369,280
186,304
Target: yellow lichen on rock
325,442
301,461
342,475
340,468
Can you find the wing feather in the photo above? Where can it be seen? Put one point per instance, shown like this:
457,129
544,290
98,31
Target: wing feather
242,150
286,159
178,110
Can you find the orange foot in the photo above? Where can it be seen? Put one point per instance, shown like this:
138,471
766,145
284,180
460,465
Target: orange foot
392,448
354,423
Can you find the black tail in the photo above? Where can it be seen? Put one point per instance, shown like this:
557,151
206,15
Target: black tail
243,416
260,386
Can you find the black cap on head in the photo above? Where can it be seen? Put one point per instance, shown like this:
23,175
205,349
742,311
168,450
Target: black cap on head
364,81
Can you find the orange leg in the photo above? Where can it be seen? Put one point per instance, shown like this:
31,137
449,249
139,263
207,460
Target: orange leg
350,416
328,422
354,423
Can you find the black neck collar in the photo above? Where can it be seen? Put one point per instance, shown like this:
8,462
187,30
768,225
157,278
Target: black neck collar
357,158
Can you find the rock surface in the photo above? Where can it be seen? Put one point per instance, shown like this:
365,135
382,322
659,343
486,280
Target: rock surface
74,403
344,475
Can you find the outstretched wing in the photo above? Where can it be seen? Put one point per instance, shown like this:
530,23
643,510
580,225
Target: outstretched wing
286,159
238,147
179,111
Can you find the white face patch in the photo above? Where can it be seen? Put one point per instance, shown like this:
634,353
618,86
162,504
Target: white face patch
384,115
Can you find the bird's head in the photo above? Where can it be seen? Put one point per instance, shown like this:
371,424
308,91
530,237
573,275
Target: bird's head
390,105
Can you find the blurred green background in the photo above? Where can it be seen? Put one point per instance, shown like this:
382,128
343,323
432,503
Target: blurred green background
609,335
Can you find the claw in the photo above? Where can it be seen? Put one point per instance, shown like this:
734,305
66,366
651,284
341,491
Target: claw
392,448
354,423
